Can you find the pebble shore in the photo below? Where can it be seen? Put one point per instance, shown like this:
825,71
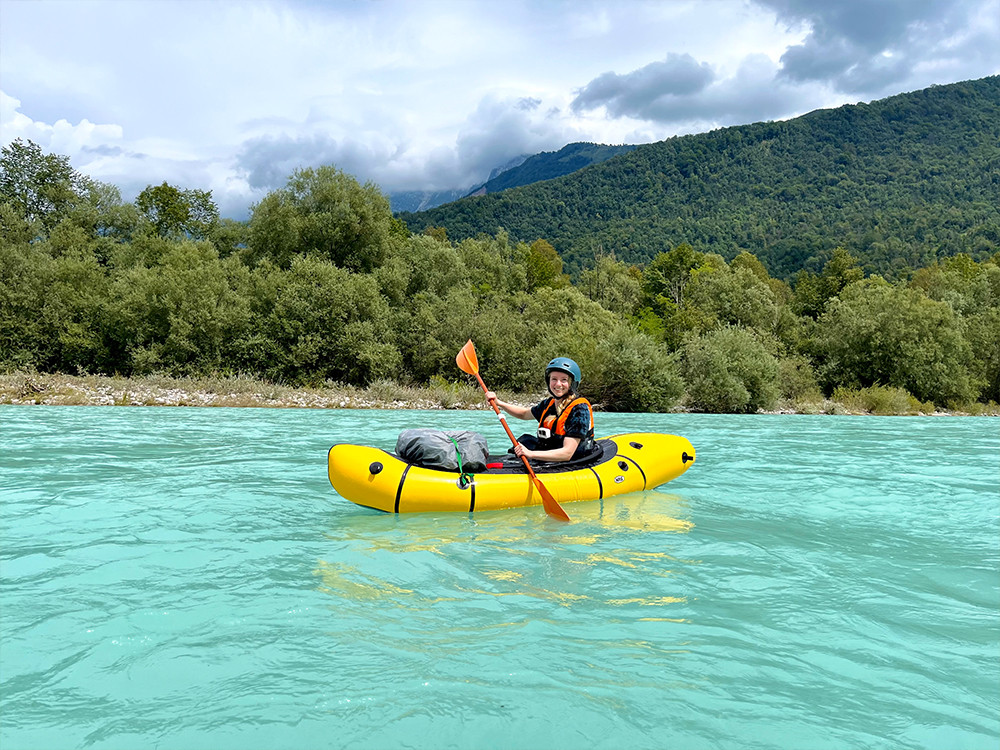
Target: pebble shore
94,390
90,390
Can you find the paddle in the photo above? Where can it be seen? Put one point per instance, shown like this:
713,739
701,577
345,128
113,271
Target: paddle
467,361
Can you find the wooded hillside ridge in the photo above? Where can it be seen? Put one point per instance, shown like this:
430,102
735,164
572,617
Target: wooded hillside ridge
899,183
548,165
323,285
522,170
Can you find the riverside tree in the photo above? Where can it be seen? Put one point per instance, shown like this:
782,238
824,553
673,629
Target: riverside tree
875,333
730,370
178,213
38,187
326,214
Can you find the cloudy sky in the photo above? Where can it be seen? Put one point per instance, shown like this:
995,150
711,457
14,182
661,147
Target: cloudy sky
432,94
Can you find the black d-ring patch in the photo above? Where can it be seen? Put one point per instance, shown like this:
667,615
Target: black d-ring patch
644,482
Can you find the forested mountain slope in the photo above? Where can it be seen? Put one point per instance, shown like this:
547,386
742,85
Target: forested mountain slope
551,164
422,200
522,170
898,182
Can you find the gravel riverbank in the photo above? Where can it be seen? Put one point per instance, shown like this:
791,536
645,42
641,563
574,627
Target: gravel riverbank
99,390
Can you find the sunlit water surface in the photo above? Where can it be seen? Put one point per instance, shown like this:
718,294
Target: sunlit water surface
187,578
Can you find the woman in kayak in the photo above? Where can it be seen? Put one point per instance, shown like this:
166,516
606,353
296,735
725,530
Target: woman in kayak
565,421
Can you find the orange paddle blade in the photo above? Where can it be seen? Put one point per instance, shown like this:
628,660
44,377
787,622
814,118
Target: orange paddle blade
552,508
467,360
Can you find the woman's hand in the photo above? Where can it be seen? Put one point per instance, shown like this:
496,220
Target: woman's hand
520,450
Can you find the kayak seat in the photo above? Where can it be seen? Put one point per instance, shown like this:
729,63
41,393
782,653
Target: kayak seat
602,451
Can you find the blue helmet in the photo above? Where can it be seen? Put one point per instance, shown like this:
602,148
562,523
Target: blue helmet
566,365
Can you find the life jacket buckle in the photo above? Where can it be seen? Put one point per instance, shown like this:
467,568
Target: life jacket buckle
544,433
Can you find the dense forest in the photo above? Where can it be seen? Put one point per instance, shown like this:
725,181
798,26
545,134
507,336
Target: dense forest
899,183
323,284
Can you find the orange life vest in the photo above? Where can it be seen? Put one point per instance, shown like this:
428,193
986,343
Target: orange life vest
558,424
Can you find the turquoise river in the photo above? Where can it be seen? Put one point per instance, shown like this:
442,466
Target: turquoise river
182,578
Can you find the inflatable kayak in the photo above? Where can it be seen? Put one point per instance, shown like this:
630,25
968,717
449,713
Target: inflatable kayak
378,479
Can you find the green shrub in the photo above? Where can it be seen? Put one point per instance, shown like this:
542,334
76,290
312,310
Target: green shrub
875,333
982,330
628,371
623,368
729,370
734,296
183,316
454,395
797,379
880,399
978,409
318,322
386,391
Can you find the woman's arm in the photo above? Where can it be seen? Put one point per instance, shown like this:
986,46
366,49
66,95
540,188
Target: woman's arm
558,454
521,412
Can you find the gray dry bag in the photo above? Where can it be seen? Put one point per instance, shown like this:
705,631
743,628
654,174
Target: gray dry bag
434,449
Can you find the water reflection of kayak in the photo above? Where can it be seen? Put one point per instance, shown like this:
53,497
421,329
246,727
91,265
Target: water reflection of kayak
378,479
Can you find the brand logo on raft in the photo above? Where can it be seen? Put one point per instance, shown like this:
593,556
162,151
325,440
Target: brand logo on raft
619,480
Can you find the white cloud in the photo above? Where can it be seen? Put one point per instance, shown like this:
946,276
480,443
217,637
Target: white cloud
61,136
497,130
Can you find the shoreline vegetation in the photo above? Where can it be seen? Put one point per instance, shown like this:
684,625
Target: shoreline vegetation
323,290
52,389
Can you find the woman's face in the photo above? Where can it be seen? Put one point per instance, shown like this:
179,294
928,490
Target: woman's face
559,383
